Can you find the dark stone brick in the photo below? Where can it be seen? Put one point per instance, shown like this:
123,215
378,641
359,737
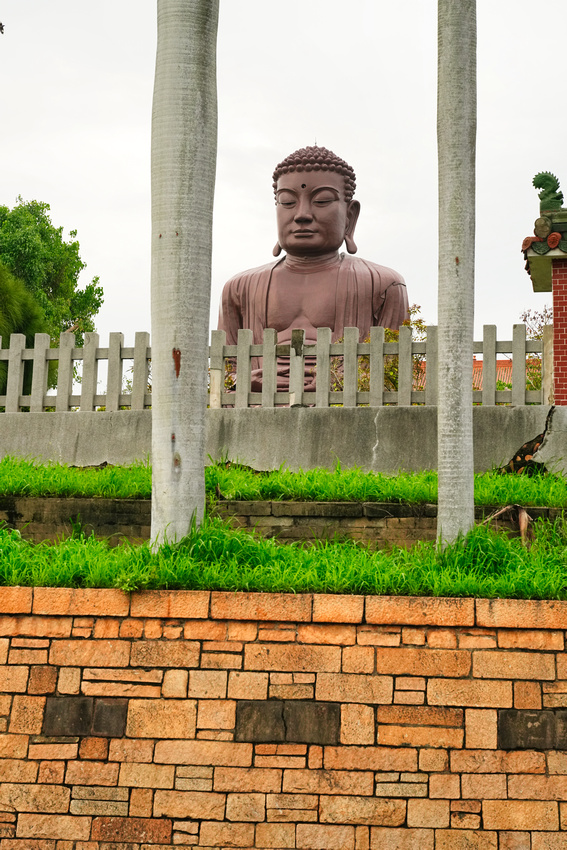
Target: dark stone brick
317,509
311,722
260,722
110,717
68,716
561,730
521,729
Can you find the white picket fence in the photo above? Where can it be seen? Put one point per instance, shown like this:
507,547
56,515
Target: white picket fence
80,369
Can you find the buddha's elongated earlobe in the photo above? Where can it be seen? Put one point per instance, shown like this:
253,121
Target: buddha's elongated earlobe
350,244
352,218
277,249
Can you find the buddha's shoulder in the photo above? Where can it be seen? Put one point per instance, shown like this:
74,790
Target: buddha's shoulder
367,267
251,275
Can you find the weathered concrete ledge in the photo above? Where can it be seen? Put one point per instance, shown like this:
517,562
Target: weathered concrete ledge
169,719
383,439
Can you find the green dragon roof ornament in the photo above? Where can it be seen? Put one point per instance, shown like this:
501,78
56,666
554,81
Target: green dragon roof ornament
551,197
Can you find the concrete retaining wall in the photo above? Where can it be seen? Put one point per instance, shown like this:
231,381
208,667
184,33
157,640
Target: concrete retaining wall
381,439
226,720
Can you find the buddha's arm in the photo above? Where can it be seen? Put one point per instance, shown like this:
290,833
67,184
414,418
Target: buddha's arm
391,308
230,312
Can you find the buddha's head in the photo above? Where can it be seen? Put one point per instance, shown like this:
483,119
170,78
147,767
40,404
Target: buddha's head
315,209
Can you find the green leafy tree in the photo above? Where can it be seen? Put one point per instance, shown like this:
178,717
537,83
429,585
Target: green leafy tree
36,252
19,314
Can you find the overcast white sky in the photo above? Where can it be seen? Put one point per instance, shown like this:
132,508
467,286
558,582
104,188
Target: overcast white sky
357,77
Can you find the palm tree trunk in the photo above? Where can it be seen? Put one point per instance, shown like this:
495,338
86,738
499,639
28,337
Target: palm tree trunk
184,139
456,136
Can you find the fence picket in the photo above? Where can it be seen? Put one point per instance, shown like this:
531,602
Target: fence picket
350,367
519,365
405,367
65,372
296,367
489,364
39,373
90,372
140,370
376,367
216,368
243,368
269,367
323,367
15,383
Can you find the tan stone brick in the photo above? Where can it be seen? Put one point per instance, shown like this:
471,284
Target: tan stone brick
420,611
203,752
53,826
226,834
42,680
433,760
481,727
174,685
425,715
16,770
411,635
353,687
186,604
5,704
151,718
428,813
291,691
252,779
261,606
137,750
306,658
357,724
216,714
14,679
466,806
141,802
208,684
131,629
280,761
444,786
94,748
409,697
280,635
382,838
528,613
369,810
379,635
204,630
53,751
315,759
27,715
477,639
51,772
423,662
116,829
527,695
442,638
90,653
223,645
107,628
520,814
410,683
452,839
530,639
281,835
340,608
15,600
467,692
327,782
487,786
370,758
91,773
246,807
69,680
84,602
34,798
333,634
25,656
513,665
246,632
292,801
517,841
41,626
154,653
322,837
497,761
141,775
524,787
419,736
13,746
189,804
358,659
221,661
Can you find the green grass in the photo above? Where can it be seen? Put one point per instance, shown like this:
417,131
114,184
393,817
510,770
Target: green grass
21,478
486,564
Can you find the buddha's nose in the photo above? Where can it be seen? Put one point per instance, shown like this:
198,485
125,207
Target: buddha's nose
303,212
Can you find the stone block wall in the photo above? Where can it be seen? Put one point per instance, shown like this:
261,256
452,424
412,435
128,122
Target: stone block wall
161,720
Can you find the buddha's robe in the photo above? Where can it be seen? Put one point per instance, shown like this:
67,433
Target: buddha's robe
367,295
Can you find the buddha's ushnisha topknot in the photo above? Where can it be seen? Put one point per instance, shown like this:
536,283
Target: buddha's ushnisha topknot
317,159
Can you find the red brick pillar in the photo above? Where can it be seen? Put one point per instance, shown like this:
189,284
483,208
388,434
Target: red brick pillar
559,285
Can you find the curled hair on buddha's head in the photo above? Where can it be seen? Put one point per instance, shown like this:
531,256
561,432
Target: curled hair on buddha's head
317,159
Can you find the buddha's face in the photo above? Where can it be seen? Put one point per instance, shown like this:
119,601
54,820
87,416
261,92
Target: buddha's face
312,214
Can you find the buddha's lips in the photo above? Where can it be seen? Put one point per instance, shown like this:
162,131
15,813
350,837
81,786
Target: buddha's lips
303,232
